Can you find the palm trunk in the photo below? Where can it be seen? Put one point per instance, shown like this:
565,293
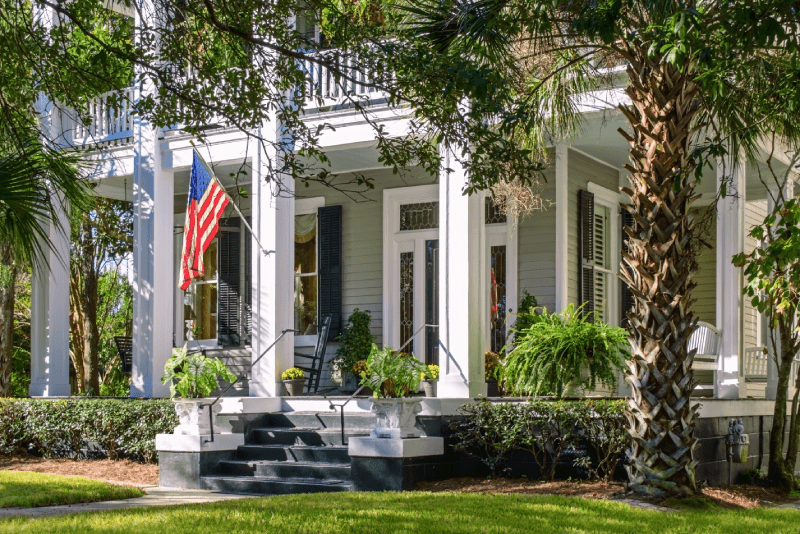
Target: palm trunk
661,261
8,278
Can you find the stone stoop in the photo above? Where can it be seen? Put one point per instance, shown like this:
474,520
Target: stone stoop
296,452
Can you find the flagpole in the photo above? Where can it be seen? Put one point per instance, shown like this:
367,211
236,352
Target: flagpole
233,202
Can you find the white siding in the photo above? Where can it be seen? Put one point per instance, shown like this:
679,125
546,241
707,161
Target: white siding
753,216
537,249
705,306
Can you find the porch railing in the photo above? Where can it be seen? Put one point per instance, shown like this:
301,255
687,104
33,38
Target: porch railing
755,363
328,86
110,118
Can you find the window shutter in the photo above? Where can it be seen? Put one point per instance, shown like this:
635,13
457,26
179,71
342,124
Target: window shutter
626,297
586,250
247,332
329,243
228,302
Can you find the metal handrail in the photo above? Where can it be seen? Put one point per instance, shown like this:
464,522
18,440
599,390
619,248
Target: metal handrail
241,377
341,406
415,335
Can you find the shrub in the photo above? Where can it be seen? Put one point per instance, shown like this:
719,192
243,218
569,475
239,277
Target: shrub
356,342
527,314
292,373
392,374
193,376
544,429
76,427
558,348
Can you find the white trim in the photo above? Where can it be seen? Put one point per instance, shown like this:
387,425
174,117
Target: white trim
593,158
393,242
304,206
562,226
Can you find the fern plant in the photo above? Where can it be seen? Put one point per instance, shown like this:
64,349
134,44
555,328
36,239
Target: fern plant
557,349
193,376
392,374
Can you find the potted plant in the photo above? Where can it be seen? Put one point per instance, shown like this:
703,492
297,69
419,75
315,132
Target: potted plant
560,352
192,377
492,366
294,380
394,377
355,344
429,376
361,371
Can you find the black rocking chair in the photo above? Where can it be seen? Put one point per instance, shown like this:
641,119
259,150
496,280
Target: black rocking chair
125,350
313,369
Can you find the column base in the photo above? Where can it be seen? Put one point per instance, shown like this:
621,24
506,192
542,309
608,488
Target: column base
46,389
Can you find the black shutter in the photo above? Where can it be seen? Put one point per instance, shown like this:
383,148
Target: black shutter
248,284
626,297
586,250
228,273
329,244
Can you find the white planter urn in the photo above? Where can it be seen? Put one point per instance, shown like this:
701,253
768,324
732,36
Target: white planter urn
193,417
397,418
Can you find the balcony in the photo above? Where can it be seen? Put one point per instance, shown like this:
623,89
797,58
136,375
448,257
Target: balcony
111,114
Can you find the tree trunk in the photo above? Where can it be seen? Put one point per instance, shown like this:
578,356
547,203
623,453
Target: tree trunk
662,262
89,305
780,472
76,329
8,279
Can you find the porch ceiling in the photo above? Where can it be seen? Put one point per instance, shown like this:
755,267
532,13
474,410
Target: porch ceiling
600,139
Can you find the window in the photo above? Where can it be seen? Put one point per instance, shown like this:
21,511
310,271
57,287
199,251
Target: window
305,273
200,300
603,273
599,249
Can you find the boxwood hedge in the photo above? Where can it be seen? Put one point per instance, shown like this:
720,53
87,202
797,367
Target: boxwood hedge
112,428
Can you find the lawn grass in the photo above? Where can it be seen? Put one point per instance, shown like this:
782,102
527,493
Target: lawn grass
27,490
412,512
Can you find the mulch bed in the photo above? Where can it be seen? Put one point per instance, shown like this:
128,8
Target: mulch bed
737,496
122,472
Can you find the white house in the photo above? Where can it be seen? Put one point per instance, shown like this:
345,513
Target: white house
415,251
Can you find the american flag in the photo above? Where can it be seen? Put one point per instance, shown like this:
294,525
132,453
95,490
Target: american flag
207,201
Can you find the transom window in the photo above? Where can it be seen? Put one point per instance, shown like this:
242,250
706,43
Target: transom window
419,216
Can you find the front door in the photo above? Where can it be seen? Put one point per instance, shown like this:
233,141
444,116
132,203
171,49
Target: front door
411,271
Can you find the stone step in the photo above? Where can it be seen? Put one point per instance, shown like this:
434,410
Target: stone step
293,453
325,420
272,486
305,436
283,469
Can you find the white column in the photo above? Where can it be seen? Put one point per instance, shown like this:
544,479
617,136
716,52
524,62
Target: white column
273,274
562,228
462,295
50,317
730,317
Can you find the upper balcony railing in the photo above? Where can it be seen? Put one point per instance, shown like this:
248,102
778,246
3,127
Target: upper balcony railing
111,114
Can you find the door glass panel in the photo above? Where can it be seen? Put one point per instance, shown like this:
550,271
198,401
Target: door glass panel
493,215
419,216
406,299
432,301
497,297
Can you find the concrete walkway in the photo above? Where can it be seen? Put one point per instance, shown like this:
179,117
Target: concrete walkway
155,496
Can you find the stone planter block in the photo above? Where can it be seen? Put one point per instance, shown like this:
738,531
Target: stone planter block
193,417
397,418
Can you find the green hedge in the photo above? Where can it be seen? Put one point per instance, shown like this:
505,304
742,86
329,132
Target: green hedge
492,432
112,428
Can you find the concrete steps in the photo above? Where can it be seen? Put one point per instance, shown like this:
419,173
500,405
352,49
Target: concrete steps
294,452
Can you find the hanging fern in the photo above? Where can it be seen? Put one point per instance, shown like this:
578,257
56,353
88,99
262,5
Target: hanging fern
558,348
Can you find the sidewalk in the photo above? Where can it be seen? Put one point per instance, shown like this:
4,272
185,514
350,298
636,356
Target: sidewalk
155,496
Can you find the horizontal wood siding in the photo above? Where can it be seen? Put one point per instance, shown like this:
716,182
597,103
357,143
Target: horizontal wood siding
705,307
581,171
754,215
537,248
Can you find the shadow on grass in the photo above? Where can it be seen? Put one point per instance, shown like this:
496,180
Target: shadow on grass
25,489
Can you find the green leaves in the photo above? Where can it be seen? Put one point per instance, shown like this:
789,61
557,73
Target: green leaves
392,374
193,376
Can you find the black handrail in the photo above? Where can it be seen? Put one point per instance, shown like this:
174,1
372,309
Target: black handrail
341,406
241,377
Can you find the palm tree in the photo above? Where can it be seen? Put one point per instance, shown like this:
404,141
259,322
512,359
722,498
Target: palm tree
695,71
36,182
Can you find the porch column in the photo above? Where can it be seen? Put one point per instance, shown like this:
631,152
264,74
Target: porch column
273,274
461,286
730,317
562,226
153,273
50,317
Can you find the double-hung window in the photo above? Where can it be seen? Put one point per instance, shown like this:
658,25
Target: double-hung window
599,252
